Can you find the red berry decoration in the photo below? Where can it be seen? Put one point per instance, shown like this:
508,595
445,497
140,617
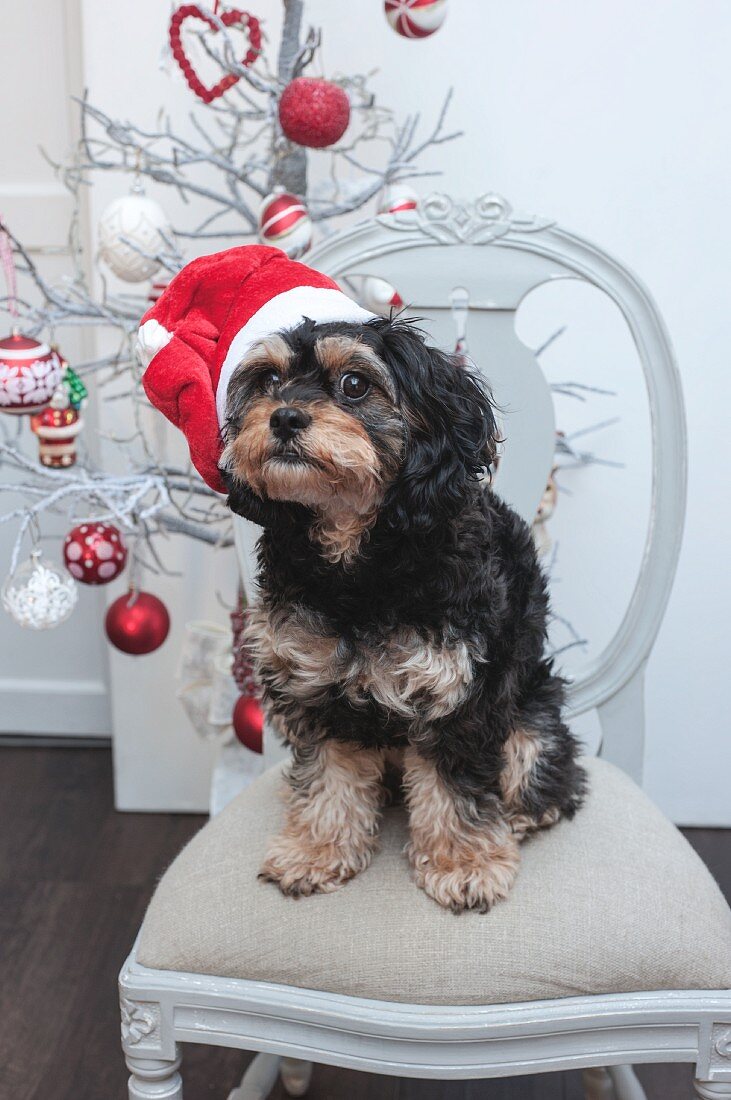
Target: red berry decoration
248,722
94,553
233,18
314,112
137,623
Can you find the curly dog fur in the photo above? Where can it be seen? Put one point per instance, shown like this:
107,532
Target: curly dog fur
402,612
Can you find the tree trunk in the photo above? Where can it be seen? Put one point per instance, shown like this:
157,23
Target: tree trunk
289,162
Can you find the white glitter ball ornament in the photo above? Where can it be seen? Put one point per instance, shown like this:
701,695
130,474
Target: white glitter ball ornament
39,595
129,227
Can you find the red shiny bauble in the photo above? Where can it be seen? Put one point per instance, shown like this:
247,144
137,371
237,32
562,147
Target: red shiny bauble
94,553
415,18
29,374
137,623
248,722
284,221
314,112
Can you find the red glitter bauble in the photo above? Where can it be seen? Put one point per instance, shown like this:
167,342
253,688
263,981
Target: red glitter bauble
94,553
314,112
137,623
248,722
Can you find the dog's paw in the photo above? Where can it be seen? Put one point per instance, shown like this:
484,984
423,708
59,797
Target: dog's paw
459,885
300,870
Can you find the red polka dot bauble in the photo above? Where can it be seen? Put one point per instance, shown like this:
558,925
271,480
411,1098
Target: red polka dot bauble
416,18
314,112
94,553
284,221
29,374
137,623
248,722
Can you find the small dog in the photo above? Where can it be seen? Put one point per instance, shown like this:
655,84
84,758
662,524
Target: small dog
402,612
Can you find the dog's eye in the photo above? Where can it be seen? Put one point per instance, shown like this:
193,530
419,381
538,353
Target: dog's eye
268,379
354,386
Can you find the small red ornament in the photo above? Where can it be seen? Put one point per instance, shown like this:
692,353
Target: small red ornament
57,428
284,221
248,722
314,112
233,18
29,374
415,18
137,623
94,553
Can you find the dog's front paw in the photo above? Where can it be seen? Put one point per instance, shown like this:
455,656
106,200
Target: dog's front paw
303,868
460,884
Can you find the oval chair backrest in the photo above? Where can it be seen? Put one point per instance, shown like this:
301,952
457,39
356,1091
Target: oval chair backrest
493,258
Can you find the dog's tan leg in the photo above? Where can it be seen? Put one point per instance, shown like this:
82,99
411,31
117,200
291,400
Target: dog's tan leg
333,802
460,865
521,752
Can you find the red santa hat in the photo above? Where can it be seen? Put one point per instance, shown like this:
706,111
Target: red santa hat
198,331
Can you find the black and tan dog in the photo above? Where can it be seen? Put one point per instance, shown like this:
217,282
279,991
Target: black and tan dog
402,612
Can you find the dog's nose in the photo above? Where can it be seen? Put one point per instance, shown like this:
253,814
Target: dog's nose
286,422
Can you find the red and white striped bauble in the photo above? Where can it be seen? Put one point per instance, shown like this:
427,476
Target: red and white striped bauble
398,199
29,374
416,18
284,221
379,296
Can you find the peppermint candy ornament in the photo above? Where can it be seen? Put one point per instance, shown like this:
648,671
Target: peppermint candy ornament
284,221
94,553
416,18
132,230
380,297
38,595
30,371
398,199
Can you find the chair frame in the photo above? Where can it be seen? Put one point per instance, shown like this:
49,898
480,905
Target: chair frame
161,1008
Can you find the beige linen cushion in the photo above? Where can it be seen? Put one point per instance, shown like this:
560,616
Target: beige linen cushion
614,901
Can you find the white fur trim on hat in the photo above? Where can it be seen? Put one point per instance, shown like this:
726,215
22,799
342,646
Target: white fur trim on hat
281,313
151,338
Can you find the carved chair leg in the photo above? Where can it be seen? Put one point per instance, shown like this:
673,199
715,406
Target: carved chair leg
154,1079
713,1090
598,1085
296,1076
259,1079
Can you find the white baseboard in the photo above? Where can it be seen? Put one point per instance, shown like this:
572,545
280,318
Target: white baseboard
55,708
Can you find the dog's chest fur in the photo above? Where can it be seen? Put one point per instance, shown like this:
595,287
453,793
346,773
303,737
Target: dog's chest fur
299,655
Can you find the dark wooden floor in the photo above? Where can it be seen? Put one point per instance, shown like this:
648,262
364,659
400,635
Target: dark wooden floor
74,880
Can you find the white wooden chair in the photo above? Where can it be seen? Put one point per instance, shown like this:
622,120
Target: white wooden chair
225,960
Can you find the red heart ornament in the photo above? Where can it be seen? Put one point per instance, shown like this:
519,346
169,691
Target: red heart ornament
229,19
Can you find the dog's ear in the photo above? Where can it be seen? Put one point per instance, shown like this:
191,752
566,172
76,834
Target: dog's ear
266,513
451,430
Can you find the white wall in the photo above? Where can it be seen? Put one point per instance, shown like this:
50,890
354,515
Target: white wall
54,682
613,119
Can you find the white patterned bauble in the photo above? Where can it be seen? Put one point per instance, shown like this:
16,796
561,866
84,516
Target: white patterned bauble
129,228
38,595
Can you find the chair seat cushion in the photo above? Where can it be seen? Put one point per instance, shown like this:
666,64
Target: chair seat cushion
614,901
